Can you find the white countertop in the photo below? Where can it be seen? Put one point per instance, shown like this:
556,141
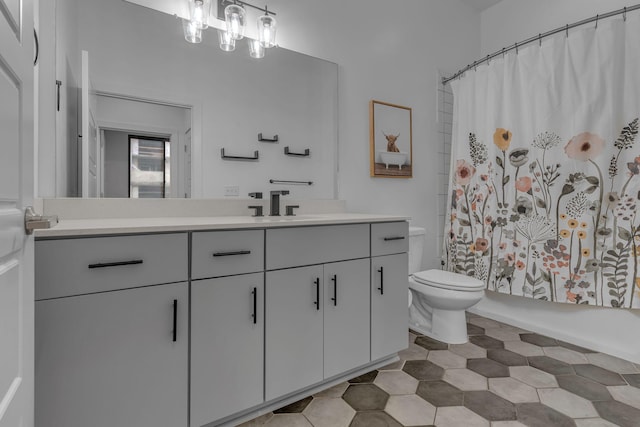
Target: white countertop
106,226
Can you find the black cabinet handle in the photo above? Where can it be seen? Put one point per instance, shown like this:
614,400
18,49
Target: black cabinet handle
217,254
388,239
334,279
317,302
255,305
115,264
381,288
175,320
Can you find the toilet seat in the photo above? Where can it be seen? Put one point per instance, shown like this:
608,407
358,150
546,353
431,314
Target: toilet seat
448,280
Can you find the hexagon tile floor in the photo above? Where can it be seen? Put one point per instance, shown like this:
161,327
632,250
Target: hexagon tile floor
503,377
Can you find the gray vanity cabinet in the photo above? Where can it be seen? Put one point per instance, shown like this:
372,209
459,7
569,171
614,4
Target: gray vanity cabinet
293,329
317,324
112,331
389,300
227,346
112,359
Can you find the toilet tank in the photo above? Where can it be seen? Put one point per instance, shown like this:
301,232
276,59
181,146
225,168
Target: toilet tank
416,245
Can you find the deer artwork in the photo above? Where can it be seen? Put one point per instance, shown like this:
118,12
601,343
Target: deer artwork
391,143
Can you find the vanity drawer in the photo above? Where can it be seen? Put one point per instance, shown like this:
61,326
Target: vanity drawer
86,265
299,246
389,238
225,253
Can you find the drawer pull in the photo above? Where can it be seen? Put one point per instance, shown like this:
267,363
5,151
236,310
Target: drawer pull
115,264
381,288
255,305
217,254
175,320
334,279
388,239
317,301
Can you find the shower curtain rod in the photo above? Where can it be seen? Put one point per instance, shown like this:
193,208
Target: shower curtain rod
539,38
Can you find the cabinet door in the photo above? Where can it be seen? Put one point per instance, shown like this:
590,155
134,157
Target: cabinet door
293,325
389,312
113,359
227,346
346,316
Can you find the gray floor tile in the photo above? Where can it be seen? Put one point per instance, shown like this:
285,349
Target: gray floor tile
295,407
288,420
447,359
474,329
565,355
540,340
632,379
489,405
465,379
367,378
568,403
611,363
506,357
374,419
539,415
431,344
423,370
366,397
552,366
488,368
575,347
513,390
440,393
583,387
486,342
598,374
329,412
626,394
410,410
458,416
396,382
618,413
468,350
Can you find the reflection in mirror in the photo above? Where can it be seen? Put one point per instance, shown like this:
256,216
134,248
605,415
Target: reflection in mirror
221,100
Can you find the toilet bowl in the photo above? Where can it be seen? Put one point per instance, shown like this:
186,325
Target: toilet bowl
439,298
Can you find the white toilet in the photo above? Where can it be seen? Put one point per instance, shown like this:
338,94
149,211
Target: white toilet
438,299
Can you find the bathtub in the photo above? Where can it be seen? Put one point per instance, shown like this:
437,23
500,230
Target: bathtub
391,158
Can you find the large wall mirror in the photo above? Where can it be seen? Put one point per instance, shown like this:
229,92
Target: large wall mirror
156,113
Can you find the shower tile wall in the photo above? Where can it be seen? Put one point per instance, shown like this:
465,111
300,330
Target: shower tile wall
445,125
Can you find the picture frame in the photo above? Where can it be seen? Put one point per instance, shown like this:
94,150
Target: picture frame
391,140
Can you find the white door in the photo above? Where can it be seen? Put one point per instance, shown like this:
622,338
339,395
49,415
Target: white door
16,192
89,146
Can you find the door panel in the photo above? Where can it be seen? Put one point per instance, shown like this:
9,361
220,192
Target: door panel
16,192
346,319
293,325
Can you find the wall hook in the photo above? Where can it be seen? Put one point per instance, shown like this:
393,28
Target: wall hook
540,39
475,63
503,49
597,17
624,14
567,30
516,48
488,59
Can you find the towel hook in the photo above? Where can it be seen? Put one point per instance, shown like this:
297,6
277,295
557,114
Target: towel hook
516,48
540,39
567,30
597,17
503,52
488,59
624,14
475,63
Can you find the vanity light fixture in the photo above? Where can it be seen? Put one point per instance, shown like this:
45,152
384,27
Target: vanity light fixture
234,17
199,11
226,40
255,49
192,33
267,29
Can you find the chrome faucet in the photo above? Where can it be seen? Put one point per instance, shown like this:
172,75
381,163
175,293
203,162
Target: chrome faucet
275,201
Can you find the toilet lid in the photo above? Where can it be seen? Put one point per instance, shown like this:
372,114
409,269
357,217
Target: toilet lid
448,280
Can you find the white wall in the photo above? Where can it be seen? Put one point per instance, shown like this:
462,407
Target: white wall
116,164
387,51
614,331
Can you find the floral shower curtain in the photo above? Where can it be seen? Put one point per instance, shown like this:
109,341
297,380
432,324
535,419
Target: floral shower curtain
545,173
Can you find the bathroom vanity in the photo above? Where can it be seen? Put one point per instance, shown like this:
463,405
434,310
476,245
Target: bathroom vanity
210,321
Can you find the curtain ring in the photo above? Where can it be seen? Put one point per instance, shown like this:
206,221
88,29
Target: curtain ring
597,17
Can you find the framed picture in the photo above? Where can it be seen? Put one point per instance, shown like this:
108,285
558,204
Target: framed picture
390,136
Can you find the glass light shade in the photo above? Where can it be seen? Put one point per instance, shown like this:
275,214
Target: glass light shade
267,30
255,49
234,16
199,11
227,43
192,33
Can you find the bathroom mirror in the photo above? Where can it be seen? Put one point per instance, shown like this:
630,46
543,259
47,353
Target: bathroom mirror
146,81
